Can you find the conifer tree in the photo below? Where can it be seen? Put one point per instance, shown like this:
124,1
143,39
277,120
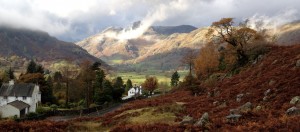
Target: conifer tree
175,79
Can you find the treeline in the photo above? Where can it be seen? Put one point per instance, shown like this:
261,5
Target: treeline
71,87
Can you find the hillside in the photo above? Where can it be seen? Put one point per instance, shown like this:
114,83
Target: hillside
26,44
268,85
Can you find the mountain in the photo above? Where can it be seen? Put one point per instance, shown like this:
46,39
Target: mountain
168,30
28,44
288,34
109,47
162,47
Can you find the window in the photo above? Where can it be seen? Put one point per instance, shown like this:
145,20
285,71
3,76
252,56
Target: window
24,97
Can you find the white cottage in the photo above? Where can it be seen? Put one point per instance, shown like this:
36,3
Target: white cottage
133,92
18,99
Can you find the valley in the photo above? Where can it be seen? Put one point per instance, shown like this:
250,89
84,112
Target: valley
149,66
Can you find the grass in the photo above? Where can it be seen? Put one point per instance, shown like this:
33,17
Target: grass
90,127
151,115
163,78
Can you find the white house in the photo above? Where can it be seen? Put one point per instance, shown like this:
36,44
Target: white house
133,92
18,99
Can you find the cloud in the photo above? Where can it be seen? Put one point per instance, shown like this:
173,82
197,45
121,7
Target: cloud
74,20
260,22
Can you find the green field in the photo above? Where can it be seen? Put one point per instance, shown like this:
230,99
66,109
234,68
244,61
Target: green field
163,78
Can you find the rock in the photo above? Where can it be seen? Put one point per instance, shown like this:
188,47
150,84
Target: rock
239,97
266,98
216,92
187,120
233,117
272,82
293,111
215,103
274,62
234,111
295,100
223,105
246,107
298,63
266,93
209,94
258,108
204,120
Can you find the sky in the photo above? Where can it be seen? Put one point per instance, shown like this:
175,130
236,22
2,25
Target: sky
74,20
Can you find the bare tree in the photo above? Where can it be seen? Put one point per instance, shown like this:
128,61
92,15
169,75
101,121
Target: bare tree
188,59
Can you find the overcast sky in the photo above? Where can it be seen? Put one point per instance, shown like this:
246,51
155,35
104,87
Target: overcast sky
73,20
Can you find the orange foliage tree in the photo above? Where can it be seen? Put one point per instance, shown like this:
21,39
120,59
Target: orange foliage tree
207,61
150,84
237,37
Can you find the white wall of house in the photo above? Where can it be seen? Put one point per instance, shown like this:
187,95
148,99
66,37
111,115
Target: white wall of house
8,111
32,101
134,91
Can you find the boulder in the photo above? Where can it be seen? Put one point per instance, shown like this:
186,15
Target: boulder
298,63
215,103
223,104
293,111
266,93
266,98
203,121
187,120
246,107
295,100
239,97
258,108
233,117
272,82
234,111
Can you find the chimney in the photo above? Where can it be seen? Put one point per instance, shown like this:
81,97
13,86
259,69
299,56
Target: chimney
11,82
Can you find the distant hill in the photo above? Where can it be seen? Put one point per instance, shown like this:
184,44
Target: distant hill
114,51
168,30
37,45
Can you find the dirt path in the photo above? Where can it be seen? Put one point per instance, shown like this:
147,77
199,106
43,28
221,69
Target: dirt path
93,114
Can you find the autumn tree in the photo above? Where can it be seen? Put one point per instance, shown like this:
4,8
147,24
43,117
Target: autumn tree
150,84
237,37
207,60
67,75
45,87
175,79
87,76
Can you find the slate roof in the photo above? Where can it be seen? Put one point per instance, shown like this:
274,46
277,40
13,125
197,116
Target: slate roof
19,104
23,89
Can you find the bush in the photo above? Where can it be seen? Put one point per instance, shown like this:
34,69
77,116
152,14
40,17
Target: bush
41,110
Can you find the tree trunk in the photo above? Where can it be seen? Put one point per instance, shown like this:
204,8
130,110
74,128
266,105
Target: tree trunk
67,93
242,57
